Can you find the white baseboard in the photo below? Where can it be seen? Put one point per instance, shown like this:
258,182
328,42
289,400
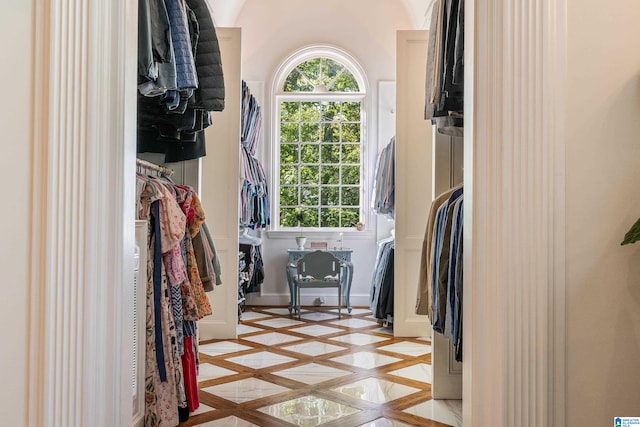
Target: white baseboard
307,298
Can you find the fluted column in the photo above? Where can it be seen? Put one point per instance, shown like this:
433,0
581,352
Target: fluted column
514,292
82,230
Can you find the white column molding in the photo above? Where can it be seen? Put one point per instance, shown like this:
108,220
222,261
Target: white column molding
514,321
82,231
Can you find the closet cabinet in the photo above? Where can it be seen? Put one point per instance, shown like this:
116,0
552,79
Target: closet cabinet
210,176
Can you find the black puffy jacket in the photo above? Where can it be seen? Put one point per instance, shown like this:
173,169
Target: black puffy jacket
210,93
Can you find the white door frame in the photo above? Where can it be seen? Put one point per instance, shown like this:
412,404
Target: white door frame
82,230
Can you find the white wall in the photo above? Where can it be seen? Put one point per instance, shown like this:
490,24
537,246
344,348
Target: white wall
366,29
15,163
603,201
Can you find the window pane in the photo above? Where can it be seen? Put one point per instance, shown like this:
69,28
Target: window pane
330,217
310,132
350,217
330,132
288,196
330,111
310,111
288,153
295,82
289,132
288,217
309,174
351,174
330,196
311,69
351,132
309,196
345,83
330,153
351,111
350,196
288,175
289,112
351,153
330,70
330,174
309,153
310,218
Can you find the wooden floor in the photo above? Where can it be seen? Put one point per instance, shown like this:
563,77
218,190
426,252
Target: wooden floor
319,370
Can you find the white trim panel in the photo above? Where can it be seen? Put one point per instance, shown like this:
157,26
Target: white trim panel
220,192
413,180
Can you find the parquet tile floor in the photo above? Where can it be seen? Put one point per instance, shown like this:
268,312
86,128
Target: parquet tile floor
320,370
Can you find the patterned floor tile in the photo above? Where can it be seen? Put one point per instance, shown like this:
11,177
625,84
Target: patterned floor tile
246,329
309,411
354,323
318,316
207,371
280,311
262,359
314,348
222,347
445,411
366,359
343,379
252,315
316,330
354,311
376,390
279,322
312,373
408,348
385,331
228,422
384,422
359,339
245,390
272,338
419,372
201,410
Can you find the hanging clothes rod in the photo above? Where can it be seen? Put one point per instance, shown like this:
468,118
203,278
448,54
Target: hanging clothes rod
153,167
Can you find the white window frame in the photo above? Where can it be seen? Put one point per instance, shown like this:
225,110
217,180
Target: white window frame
279,96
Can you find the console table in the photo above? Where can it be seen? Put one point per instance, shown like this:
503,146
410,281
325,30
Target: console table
343,255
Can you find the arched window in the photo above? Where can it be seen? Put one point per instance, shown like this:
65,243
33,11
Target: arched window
319,138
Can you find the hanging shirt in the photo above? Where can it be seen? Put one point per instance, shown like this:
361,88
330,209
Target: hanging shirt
424,301
441,260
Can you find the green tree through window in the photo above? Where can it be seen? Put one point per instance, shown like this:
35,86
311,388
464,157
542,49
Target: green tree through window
320,126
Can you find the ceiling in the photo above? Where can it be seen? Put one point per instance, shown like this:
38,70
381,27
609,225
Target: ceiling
225,12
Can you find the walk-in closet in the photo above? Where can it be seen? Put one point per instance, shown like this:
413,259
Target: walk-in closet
325,141
158,229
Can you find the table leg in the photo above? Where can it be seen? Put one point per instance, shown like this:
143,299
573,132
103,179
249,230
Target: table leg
291,272
349,271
